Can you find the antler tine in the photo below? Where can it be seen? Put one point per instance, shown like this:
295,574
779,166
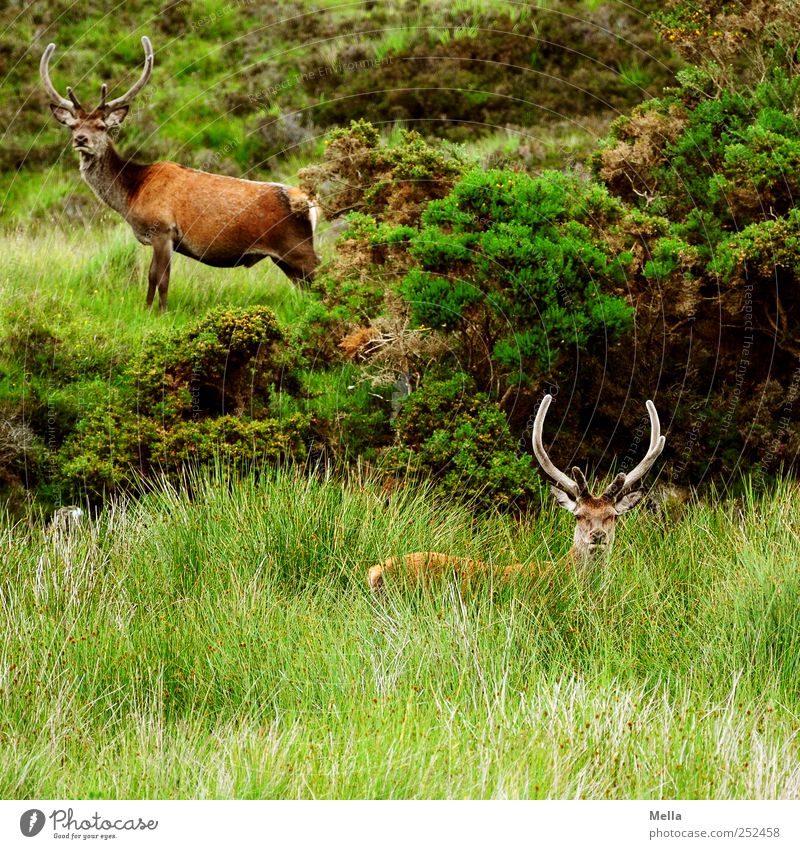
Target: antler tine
74,98
103,93
657,442
566,483
49,87
615,487
141,82
580,479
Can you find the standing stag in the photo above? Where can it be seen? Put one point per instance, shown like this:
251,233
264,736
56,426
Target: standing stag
595,516
220,221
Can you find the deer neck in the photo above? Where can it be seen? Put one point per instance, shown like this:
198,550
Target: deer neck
106,175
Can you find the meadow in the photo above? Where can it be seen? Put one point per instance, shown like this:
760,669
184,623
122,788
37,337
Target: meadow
218,640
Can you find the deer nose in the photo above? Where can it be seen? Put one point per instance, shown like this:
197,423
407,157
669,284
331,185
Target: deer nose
598,536
81,140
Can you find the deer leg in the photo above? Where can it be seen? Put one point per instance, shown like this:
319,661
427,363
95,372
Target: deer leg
159,271
298,265
151,282
291,271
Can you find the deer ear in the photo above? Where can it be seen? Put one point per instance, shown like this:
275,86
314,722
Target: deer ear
563,499
627,501
115,117
62,115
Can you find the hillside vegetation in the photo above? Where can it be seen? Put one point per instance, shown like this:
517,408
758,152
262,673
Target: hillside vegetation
468,278
249,88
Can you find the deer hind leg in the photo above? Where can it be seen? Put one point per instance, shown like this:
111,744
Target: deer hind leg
294,251
298,264
158,277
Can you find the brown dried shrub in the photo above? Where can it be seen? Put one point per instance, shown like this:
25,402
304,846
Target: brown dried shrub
354,344
640,147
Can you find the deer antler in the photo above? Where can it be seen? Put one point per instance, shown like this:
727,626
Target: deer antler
566,483
623,482
73,97
139,84
580,479
73,103
58,99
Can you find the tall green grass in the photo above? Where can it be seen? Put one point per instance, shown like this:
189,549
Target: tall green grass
219,641
98,278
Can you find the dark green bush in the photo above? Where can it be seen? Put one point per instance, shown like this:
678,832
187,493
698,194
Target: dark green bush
458,436
108,451
511,263
710,163
186,397
233,439
223,363
718,158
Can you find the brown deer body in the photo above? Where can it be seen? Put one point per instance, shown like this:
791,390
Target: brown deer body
217,220
595,516
422,565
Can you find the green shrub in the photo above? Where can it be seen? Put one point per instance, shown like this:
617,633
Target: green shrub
717,159
384,189
109,450
223,363
731,157
458,436
188,396
233,439
511,264
390,182
732,41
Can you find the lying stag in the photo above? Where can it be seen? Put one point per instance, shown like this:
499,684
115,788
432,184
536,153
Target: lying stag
220,221
595,516
422,565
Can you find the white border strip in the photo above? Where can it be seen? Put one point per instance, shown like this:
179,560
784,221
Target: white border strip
416,824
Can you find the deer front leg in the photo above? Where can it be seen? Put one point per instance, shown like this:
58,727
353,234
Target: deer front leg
158,277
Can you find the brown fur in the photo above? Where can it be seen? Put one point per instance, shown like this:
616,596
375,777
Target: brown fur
424,565
222,220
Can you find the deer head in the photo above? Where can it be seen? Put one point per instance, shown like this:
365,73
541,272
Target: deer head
90,129
595,516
